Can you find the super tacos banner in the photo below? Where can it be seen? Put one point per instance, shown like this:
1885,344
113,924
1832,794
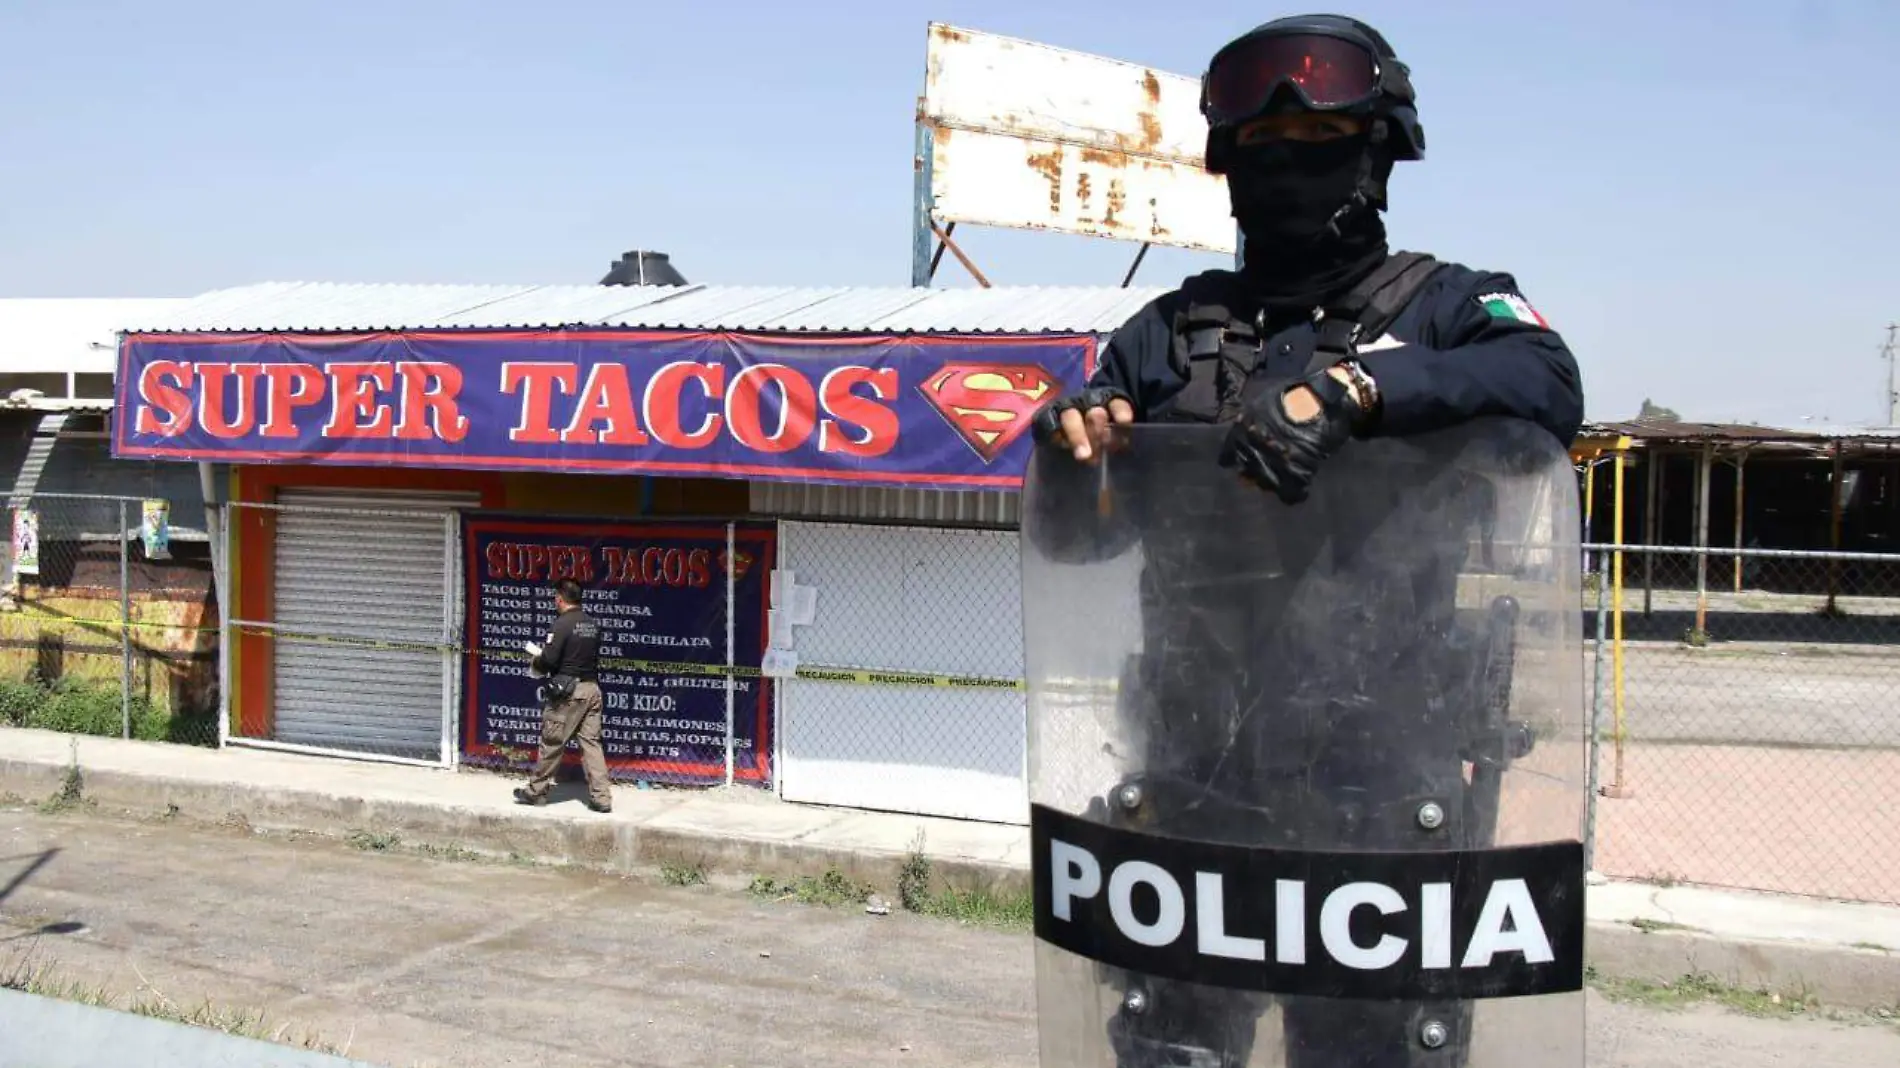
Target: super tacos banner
659,592
944,412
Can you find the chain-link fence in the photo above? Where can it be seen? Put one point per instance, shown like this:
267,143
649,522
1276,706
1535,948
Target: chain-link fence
108,621
1748,718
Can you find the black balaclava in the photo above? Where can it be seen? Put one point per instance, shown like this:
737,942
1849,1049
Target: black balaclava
1310,213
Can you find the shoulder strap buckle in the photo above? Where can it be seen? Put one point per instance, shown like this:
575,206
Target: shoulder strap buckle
1369,308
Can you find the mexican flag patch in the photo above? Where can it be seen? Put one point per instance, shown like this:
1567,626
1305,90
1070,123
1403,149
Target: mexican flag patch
1512,306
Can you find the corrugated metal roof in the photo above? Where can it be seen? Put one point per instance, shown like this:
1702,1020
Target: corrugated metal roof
304,307
32,403
1736,433
78,335
1752,438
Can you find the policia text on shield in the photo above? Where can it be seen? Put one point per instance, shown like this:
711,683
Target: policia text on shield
1323,796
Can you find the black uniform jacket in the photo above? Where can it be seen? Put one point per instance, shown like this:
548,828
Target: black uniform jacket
1468,344
573,648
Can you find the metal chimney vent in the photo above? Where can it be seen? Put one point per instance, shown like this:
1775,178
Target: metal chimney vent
642,268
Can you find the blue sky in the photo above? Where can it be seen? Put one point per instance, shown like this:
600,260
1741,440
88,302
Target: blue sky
1697,194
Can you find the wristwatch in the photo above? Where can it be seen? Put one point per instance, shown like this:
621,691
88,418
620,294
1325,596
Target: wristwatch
1365,391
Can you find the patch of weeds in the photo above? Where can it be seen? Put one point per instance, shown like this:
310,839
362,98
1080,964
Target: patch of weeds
913,879
978,908
9,799
29,978
1649,926
78,706
830,890
450,852
1698,988
1874,946
683,874
981,908
72,788
374,841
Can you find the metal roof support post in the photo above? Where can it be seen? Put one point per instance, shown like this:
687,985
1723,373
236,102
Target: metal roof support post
1705,468
1652,523
1834,508
1741,460
922,202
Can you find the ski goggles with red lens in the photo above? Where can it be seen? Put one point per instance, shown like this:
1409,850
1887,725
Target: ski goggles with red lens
1327,74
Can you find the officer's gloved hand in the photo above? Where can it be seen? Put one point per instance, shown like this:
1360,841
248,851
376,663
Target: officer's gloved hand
1079,422
1279,453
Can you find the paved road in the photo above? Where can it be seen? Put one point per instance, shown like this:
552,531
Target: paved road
1779,671
427,961
1760,693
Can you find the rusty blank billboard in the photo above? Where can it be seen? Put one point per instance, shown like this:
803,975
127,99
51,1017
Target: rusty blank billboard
1028,136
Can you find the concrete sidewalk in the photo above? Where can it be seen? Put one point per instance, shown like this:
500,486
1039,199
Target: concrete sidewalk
1844,954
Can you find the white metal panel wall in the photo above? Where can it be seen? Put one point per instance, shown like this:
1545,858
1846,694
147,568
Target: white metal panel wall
910,599
387,578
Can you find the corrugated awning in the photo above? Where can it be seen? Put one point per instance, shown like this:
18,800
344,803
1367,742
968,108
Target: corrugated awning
300,307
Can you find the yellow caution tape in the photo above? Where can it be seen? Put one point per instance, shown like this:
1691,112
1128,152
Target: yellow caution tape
858,676
813,673
41,615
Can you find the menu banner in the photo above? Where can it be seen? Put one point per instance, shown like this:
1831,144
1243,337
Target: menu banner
659,591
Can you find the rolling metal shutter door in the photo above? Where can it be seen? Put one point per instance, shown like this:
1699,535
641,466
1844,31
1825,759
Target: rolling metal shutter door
383,578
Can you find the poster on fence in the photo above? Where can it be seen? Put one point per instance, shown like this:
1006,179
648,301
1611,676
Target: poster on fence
659,592
26,541
155,530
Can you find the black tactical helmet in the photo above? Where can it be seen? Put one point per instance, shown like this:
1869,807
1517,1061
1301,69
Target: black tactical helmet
1317,62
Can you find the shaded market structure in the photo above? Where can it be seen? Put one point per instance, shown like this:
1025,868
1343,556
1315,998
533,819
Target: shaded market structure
1741,486
99,629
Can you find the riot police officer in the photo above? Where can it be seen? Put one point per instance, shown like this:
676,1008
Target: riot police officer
1323,334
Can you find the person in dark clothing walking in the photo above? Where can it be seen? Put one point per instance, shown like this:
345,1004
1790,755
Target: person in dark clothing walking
571,702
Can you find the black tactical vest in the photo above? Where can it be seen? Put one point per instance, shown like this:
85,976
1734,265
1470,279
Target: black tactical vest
1220,335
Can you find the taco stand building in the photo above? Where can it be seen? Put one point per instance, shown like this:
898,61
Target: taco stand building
397,473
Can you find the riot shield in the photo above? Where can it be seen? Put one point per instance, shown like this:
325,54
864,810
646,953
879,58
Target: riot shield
1307,781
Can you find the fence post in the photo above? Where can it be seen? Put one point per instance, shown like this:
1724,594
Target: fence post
1596,721
732,598
451,637
125,624
227,604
